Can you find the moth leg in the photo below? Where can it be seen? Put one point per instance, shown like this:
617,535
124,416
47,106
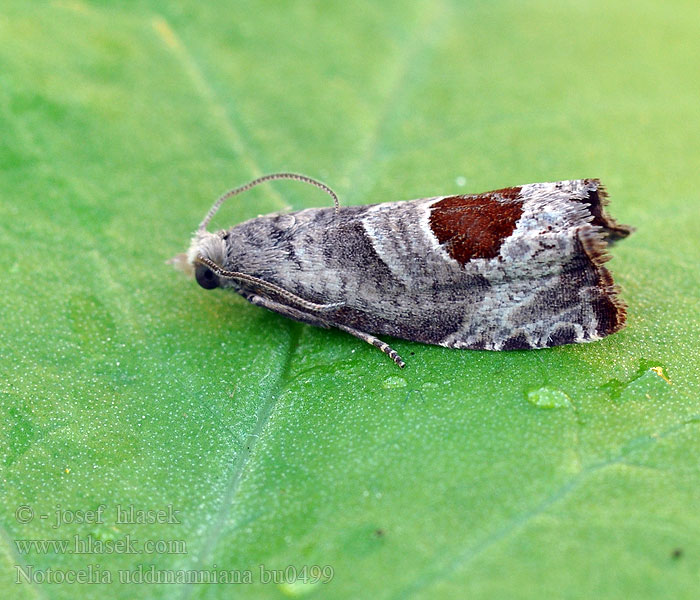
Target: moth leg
285,310
376,342
298,315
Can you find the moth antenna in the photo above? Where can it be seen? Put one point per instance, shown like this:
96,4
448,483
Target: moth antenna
244,188
266,285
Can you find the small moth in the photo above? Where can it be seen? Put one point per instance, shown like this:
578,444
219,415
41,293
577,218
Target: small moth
515,268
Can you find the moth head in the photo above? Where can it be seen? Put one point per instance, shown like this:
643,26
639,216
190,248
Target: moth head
207,255
207,252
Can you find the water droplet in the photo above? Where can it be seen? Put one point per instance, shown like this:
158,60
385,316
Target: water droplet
394,382
545,397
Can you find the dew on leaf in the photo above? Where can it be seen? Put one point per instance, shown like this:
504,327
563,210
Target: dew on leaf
546,397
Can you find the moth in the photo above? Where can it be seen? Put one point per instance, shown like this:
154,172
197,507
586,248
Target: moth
516,268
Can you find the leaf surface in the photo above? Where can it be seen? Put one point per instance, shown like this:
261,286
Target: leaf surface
568,472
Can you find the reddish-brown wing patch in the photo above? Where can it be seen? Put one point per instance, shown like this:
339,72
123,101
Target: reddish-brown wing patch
476,226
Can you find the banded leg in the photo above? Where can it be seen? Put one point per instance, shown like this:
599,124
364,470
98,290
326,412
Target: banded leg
376,342
298,315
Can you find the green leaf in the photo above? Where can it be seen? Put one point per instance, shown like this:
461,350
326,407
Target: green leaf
568,472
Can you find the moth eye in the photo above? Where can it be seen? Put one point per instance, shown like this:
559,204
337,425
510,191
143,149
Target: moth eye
206,277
